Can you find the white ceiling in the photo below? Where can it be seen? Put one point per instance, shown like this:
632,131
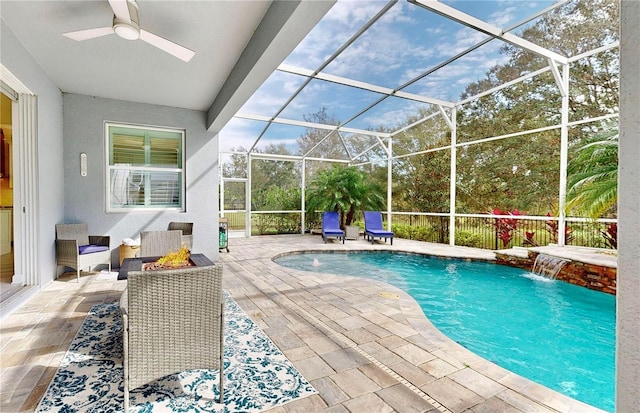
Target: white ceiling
218,79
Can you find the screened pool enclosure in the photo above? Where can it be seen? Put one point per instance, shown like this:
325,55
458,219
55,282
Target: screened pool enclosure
468,113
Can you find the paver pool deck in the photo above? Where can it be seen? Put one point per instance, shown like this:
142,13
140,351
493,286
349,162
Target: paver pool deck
365,346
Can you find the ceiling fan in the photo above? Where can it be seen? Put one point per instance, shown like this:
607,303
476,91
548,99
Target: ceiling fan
126,24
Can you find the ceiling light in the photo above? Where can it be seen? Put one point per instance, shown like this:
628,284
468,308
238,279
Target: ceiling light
126,30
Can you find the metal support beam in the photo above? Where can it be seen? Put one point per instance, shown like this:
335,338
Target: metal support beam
361,85
484,27
247,202
370,148
312,125
446,117
558,78
416,123
221,178
564,151
387,150
452,178
389,182
344,145
303,186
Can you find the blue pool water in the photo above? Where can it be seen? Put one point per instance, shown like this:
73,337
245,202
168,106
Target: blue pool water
557,334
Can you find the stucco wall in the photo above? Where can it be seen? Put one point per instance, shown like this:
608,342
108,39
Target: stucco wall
84,119
628,298
50,177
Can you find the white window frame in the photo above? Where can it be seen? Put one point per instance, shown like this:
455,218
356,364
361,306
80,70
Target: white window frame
143,168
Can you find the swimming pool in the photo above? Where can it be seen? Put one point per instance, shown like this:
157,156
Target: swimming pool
557,334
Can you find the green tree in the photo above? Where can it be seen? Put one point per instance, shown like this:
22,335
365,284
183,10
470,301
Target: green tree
268,174
593,176
421,181
275,184
523,172
312,137
235,167
346,190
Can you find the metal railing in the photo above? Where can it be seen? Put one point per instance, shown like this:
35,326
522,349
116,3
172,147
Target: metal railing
505,231
473,230
236,219
265,222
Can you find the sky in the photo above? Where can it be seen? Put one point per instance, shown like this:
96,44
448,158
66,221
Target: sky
404,43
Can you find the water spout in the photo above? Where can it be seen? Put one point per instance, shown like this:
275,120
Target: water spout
548,266
316,263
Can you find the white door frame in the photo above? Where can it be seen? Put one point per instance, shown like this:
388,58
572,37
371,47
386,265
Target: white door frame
25,181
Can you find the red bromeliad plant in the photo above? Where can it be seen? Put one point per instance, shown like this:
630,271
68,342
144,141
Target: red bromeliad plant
611,235
506,227
552,229
529,240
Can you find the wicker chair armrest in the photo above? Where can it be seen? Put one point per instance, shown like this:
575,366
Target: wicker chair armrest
124,303
66,248
99,240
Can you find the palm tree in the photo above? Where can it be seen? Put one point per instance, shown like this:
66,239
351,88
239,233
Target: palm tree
346,190
593,176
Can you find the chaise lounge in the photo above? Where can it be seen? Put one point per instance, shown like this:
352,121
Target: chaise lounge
373,227
331,226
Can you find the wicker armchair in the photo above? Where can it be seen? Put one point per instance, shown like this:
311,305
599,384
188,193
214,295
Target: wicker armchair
76,249
172,321
187,232
159,243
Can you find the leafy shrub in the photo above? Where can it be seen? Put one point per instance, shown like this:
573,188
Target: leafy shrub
426,234
264,223
469,239
402,231
278,223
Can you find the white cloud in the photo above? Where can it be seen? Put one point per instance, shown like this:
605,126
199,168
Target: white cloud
239,133
397,48
503,18
339,24
353,13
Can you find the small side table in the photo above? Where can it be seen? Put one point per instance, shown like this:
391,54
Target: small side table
128,251
352,232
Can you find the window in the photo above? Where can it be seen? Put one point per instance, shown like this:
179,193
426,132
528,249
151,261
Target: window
145,168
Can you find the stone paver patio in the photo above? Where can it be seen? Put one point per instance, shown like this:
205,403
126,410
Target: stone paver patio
364,345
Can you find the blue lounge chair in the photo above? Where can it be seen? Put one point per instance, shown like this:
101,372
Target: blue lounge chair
331,226
373,227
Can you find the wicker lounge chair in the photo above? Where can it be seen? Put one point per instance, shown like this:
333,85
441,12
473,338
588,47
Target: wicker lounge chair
373,227
76,249
331,226
187,232
159,243
172,321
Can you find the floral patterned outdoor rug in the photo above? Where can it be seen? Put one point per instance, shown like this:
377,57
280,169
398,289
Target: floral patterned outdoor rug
90,378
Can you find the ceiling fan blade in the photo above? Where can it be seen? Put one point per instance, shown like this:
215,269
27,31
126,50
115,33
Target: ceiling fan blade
168,46
121,9
81,35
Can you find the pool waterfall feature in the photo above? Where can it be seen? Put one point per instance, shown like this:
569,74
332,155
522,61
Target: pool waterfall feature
587,267
548,265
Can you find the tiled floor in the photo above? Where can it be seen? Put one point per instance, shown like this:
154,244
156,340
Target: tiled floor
362,349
